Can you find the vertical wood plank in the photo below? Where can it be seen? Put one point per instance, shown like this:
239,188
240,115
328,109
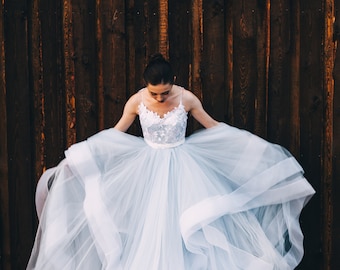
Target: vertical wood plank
180,16
230,61
141,44
195,83
47,55
163,28
151,15
311,126
195,80
83,13
114,63
327,159
295,80
19,102
213,56
180,45
245,63
131,19
133,55
279,76
5,231
70,91
335,261
263,49
100,79
37,78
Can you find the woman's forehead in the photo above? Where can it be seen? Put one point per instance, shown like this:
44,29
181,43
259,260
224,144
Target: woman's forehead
159,88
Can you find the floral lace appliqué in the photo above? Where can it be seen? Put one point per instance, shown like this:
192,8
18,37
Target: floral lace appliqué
168,130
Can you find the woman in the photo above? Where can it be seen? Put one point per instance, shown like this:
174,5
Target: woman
220,199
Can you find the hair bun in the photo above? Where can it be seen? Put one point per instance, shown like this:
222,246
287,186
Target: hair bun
158,71
156,57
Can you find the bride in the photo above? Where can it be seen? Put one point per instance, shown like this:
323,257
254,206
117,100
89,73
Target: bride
221,198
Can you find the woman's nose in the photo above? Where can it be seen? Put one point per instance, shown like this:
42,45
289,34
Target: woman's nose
159,98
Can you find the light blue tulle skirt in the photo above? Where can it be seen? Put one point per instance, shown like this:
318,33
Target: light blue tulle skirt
225,199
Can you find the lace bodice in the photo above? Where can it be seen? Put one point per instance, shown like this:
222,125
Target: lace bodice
163,132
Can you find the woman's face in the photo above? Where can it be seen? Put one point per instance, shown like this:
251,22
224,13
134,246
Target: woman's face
159,92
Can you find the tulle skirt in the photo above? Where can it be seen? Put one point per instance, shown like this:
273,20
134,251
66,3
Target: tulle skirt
225,199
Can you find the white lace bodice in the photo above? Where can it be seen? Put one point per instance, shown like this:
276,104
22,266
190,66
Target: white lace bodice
163,132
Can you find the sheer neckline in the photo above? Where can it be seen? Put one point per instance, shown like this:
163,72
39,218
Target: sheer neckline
169,112
165,115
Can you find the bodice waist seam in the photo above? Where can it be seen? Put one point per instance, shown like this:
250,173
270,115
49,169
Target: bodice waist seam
164,145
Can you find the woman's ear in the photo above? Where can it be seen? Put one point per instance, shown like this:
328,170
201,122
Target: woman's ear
175,78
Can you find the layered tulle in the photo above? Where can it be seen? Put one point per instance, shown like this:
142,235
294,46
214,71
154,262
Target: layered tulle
225,199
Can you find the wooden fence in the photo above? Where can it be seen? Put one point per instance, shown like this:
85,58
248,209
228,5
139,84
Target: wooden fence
268,66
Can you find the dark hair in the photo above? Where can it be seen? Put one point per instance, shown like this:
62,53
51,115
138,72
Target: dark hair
158,71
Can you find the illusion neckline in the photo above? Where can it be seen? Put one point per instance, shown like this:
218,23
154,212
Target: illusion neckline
165,115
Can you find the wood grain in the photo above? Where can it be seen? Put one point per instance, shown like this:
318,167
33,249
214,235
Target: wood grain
20,141
335,238
5,229
67,68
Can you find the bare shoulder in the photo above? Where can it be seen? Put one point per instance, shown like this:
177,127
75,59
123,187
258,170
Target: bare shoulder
192,103
190,100
133,102
135,98
129,114
188,95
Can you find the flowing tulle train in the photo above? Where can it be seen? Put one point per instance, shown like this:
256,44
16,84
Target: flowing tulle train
225,199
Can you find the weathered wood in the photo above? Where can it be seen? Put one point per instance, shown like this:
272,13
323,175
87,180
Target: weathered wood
311,124
294,140
84,42
327,155
141,45
195,80
131,19
279,75
134,46
180,45
262,65
335,239
263,52
180,16
5,229
48,77
37,78
69,71
114,64
151,26
144,15
19,127
213,56
244,63
99,73
229,33
163,28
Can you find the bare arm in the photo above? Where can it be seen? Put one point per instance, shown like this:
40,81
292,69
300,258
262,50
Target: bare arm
129,114
197,111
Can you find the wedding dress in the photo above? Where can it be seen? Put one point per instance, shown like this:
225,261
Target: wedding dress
222,198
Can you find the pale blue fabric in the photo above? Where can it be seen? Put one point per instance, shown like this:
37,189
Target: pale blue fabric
221,199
